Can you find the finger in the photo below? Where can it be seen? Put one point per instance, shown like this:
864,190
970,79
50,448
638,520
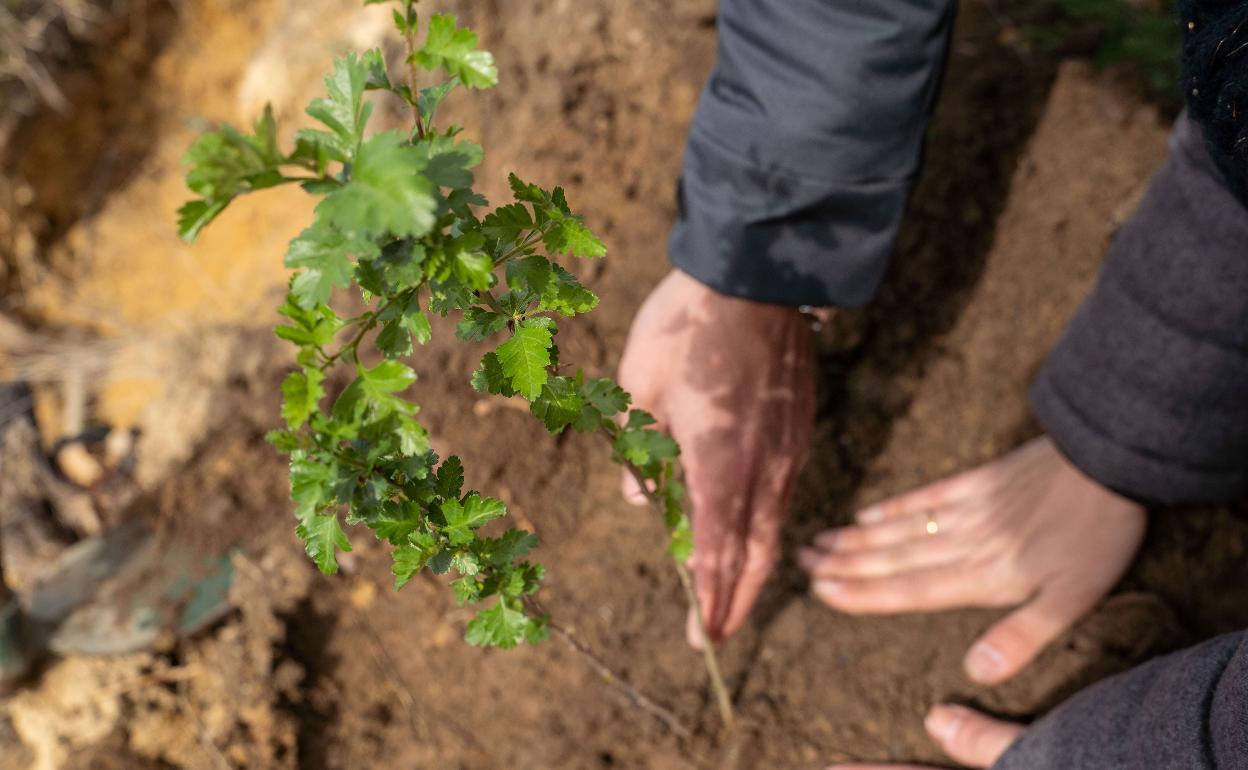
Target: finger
762,551
631,489
1019,637
930,497
713,572
970,737
910,526
926,590
932,551
719,498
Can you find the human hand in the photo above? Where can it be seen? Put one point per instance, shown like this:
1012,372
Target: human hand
967,736
732,381
1028,528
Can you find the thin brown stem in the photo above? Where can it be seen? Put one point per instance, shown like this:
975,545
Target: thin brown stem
722,697
613,678
410,37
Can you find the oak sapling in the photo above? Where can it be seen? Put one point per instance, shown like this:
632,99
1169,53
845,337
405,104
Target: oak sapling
398,220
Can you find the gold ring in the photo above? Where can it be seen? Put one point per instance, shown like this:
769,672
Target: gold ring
930,526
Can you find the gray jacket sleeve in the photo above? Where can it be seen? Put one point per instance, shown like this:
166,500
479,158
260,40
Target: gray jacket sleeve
1147,390
1187,710
806,139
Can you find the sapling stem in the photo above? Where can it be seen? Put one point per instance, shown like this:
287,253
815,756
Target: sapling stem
722,698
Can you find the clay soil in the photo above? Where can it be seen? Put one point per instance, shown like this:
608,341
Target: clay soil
1031,165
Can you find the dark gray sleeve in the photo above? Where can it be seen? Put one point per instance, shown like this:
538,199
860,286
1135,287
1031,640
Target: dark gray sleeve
805,142
1187,710
1147,390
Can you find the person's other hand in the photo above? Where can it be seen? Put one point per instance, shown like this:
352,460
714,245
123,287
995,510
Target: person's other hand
732,381
968,737
1028,528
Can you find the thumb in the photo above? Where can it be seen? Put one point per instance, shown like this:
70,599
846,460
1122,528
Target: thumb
1019,637
968,736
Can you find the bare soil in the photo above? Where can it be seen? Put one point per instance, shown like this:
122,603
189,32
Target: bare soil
1030,167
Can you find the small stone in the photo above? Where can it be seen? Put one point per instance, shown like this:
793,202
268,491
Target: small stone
117,446
78,465
363,594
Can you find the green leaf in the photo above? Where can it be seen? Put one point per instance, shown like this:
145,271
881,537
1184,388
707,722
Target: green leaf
527,193
607,397
310,479
646,448
680,543
393,340
321,536
466,563
454,49
530,274
387,193
413,439
301,392
565,295
467,590
526,355
559,404
569,235
195,215
325,256
505,225
513,544
449,163
489,377
440,562
375,64
225,164
315,326
403,320
350,404
429,99
412,557
282,440
344,112
396,521
480,323
502,626
386,378
475,511
450,477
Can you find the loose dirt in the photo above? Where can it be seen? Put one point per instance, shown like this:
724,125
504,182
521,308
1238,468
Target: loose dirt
1030,168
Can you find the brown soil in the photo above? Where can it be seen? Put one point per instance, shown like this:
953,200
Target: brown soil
1030,168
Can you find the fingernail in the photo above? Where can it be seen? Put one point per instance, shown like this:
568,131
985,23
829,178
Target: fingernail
870,514
943,721
828,589
808,558
984,662
827,539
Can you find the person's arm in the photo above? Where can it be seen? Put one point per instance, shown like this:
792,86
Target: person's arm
801,155
805,143
1186,710
1147,390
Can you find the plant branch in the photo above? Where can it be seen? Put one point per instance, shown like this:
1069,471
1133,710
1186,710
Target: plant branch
722,698
616,680
409,36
